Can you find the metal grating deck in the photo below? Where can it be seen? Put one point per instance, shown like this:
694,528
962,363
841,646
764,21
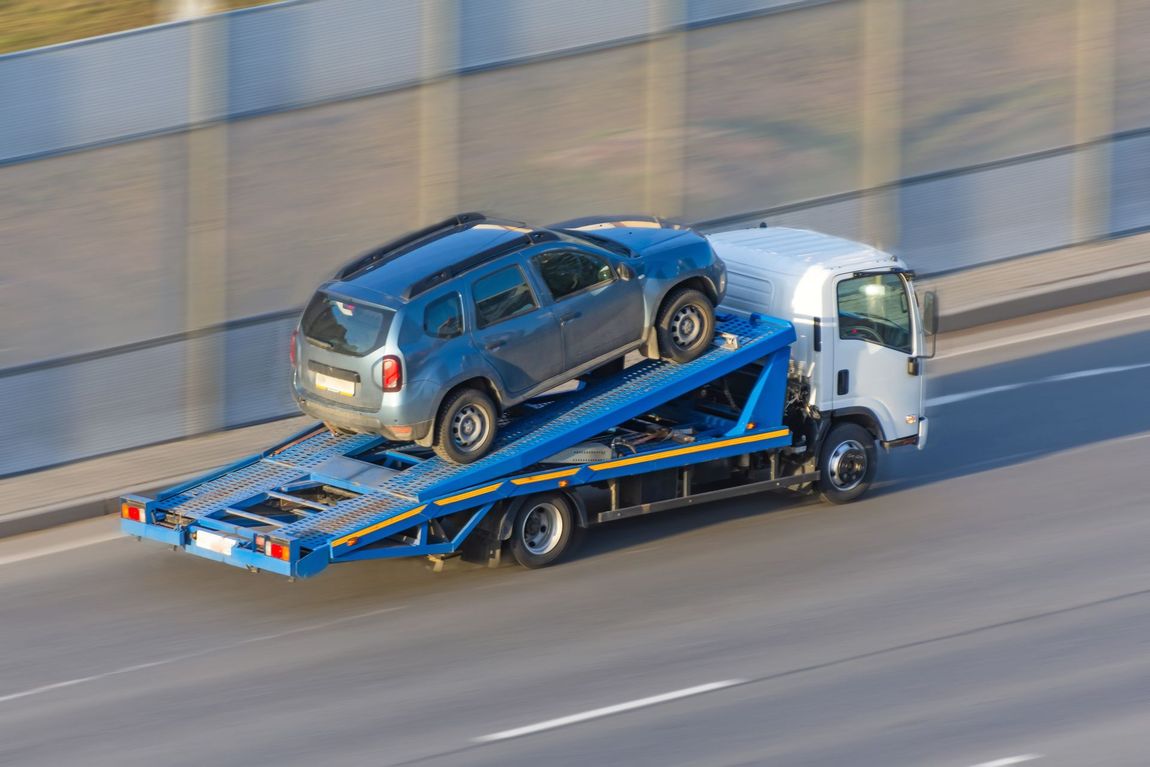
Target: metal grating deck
555,426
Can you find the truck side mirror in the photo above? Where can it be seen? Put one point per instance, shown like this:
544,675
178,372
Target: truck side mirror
930,312
930,320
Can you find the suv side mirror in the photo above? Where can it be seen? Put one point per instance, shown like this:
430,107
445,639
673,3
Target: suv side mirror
625,272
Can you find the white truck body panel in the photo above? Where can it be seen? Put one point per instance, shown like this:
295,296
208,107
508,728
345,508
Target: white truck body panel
794,273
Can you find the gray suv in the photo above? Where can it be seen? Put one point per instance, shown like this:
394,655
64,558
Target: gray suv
430,337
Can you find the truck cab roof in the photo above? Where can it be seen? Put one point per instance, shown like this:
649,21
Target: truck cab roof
794,251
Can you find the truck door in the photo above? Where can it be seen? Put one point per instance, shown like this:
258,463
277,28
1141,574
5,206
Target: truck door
877,323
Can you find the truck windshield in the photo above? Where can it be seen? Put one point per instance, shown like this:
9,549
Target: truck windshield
344,326
874,308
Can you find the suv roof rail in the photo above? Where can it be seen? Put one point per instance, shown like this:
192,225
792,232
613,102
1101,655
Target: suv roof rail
398,246
459,267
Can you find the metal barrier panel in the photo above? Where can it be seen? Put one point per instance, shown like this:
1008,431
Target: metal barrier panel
310,188
99,406
970,218
301,53
772,110
1130,184
985,80
700,11
100,90
92,246
496,31
257,372
554,139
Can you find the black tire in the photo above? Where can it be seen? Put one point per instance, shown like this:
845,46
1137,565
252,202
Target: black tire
847,463
685,325
466,426
546,530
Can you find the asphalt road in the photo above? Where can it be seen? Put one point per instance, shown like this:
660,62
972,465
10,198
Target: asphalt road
989,604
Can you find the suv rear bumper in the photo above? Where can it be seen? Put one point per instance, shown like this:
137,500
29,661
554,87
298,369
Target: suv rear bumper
363,422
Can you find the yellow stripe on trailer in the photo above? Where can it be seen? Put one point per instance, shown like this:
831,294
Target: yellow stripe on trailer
544,477
688,450
378,526
468,494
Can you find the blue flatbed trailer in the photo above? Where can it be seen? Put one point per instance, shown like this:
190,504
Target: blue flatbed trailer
648,438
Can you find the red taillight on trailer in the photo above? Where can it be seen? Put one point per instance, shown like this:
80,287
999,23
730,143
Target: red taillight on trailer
132,512
291,351
277,550
392,374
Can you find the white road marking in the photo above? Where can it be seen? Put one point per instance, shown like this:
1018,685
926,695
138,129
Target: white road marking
1006,762
598,713
1047,332
188,656
947,399
60,549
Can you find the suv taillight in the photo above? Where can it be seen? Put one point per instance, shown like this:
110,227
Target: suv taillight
392,374
291,352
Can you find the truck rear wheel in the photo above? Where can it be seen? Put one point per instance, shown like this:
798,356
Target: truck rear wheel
546,529
847,463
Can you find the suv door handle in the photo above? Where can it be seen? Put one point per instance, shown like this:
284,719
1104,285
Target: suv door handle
568,317
494,345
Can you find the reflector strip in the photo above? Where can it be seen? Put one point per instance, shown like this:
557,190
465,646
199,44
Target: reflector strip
543,477
378,526
468,494
692,449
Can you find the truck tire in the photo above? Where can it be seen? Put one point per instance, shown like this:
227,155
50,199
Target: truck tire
847,463
546,529
685,325
466,427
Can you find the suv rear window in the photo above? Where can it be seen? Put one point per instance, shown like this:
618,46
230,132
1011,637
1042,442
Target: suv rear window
344,326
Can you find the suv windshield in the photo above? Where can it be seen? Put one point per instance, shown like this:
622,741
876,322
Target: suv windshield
344,326
602,242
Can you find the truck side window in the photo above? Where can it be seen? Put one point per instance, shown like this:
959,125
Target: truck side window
443,317
569,271
873,308
501,296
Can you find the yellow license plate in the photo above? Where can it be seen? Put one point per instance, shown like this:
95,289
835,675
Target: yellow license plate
335,385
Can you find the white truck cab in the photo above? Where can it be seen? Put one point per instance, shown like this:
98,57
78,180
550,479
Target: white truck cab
861,336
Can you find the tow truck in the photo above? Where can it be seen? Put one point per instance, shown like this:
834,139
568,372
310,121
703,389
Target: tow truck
817,365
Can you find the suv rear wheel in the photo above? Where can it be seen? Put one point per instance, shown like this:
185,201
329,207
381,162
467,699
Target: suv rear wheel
685,325
466,426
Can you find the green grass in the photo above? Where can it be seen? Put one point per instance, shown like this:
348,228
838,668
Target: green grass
33,23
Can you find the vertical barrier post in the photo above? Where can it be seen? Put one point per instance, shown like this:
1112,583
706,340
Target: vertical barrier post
880,142
1093,117
205,264
438,180
665,128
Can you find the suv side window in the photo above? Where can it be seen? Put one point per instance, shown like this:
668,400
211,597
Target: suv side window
570,271
501,296
874,309
443,317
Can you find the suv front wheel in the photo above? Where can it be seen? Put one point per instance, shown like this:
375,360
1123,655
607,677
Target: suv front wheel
685,325
466,426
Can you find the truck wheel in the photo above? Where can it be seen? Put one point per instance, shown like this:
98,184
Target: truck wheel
546,529
847,463
466,426
685,325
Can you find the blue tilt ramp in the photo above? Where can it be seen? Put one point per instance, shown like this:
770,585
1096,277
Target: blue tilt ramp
525,441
